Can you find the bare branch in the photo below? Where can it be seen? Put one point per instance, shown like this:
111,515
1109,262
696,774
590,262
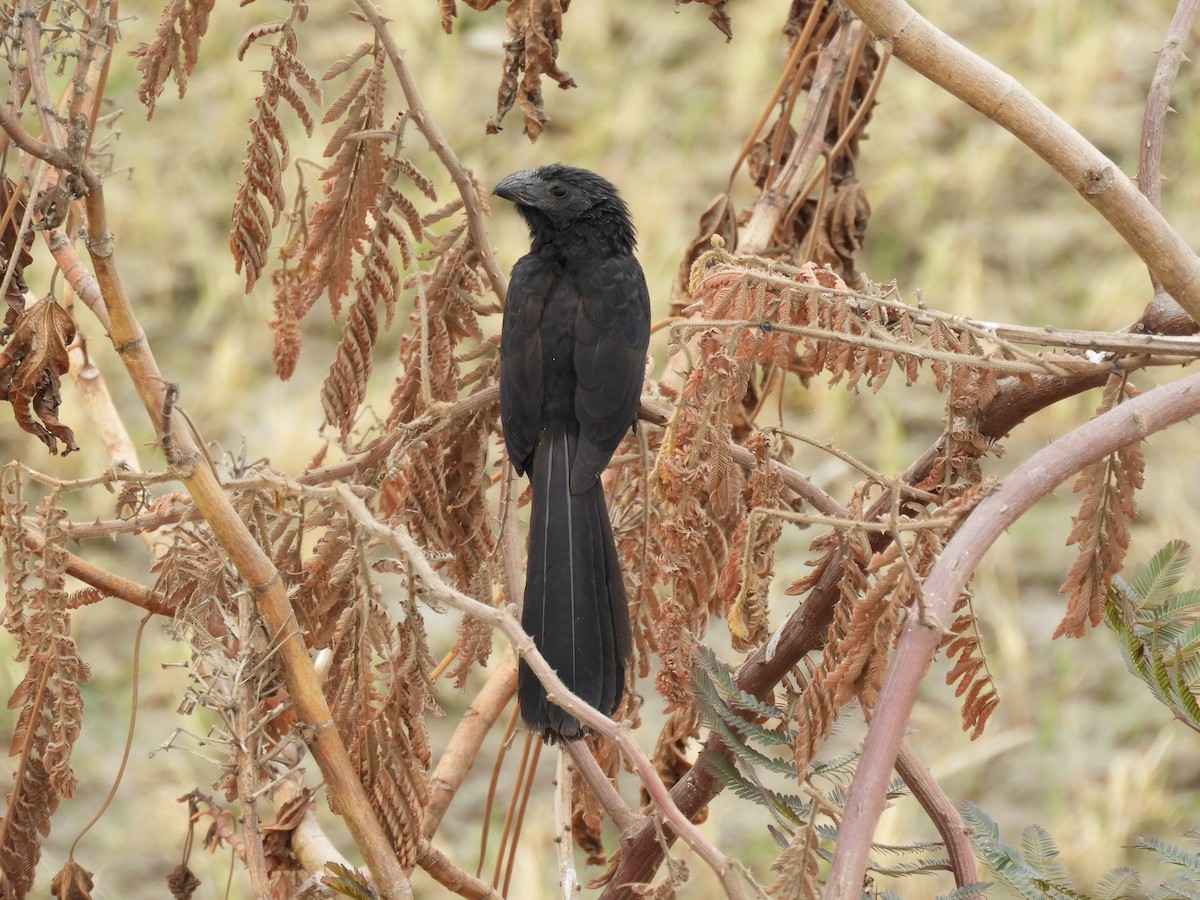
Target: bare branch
1163,314
942,812
1002,99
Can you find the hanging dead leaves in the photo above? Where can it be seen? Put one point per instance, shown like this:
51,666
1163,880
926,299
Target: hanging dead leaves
35,339
174,51
530,51
30,367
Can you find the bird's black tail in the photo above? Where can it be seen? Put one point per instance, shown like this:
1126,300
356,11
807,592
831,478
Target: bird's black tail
575,605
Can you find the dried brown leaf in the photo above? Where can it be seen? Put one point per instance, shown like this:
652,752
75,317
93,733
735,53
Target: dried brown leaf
30,369
530,52
174,49
1101,527
72,882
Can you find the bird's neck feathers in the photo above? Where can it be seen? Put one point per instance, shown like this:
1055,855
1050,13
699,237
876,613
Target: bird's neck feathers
605,228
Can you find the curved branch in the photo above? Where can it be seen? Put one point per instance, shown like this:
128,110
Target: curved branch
1006,102
1132,421
942,812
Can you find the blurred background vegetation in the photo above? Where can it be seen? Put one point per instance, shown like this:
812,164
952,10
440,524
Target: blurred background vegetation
963,217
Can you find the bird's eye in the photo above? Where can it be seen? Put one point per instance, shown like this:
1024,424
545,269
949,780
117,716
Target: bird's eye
558,191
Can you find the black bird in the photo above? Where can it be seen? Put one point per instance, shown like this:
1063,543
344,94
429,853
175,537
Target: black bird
572,359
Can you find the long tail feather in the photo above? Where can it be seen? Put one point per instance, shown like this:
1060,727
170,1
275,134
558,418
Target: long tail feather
575,606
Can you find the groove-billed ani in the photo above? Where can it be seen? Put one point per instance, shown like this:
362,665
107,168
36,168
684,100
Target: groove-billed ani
572,358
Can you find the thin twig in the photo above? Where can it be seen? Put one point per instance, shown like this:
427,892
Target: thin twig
106,582
568,878
1158,101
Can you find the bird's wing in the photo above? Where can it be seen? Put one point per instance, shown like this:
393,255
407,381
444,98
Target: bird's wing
521,359
612,331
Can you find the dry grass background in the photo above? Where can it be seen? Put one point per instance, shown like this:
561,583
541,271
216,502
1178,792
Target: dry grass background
962,213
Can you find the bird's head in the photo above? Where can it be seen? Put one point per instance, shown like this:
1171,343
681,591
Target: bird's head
556,198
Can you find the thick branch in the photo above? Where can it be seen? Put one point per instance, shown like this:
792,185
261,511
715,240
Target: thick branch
463,749
1132,421
1002,99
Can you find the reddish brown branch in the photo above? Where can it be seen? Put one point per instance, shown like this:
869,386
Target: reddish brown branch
1158,101
106,582
942,812
1132,421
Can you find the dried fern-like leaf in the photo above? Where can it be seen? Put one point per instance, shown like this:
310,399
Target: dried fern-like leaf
875,588
174,50
438,483
747,574
14,251
396,222
530,52
31,366
50,705
18,561
799,866
970,672
1101,527
339,221
267,152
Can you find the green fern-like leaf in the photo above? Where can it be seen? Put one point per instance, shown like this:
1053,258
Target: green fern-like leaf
733,728
840,769
976,891
1042,852
788,809
1119,884
1007,862
1171,853
1160,632
738,698
902,868
1164,570
1178,888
